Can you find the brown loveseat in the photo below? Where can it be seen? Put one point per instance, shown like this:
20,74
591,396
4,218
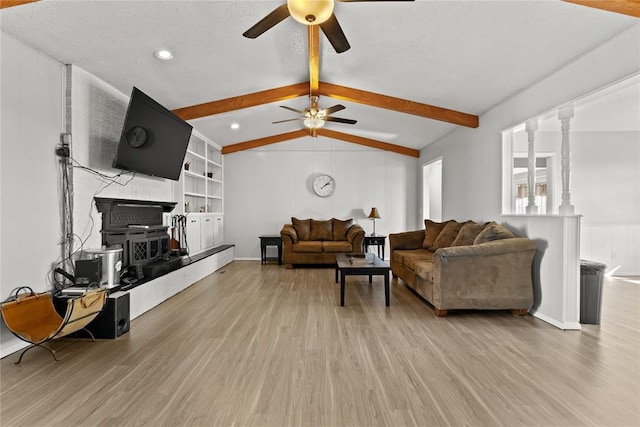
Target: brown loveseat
308,241
467,265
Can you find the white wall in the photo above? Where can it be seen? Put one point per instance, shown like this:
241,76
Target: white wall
32,93
472,165
265,187
606,191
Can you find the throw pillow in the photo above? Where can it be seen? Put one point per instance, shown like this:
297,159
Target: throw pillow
493,231
321,230
340,228
468,233
302,227
447,235
431,231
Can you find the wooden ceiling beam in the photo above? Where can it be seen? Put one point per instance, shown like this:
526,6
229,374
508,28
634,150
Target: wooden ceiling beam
11,3
243,101
626,7
260,142
314,60
398,104
368,142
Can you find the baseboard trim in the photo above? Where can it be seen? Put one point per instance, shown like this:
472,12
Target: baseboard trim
567,326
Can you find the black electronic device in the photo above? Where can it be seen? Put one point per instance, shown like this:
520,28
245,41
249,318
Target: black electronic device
114,320
154,140
88,271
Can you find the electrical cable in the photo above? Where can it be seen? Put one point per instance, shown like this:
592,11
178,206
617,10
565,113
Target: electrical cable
68,240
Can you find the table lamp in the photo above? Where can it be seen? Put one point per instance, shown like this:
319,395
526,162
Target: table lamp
373,215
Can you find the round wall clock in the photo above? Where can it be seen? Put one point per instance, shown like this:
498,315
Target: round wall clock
324,185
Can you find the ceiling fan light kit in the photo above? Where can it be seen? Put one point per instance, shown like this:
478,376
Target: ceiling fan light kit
313,123
310,12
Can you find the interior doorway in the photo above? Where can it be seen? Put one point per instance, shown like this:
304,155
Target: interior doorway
432,190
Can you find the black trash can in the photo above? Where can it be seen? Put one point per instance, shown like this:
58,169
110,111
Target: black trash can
591,283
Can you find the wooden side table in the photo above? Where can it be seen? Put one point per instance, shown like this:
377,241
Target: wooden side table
270,240
377,240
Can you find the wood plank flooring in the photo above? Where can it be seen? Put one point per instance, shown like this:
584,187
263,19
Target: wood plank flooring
256,345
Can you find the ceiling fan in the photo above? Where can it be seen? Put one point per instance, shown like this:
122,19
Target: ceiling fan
308,12
315,118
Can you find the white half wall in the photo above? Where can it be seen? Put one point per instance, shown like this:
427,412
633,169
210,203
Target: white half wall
265,187
556,267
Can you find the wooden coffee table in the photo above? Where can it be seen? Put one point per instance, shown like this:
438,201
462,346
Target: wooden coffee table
366,264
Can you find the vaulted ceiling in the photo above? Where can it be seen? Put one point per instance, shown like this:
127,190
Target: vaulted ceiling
415,70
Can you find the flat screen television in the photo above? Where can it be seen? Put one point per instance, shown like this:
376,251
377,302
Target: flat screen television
154,140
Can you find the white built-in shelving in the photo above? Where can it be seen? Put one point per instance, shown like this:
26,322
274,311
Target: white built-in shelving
199,193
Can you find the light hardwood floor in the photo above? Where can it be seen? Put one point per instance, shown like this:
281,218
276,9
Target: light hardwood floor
256,345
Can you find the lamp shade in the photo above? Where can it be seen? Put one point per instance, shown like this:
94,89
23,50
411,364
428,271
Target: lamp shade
310,12
374,214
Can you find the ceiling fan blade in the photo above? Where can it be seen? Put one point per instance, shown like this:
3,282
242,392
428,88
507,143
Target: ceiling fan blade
332,110
279,14
340,120
288,120
331,28
292,109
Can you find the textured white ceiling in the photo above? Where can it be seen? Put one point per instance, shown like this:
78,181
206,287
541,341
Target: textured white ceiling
462,55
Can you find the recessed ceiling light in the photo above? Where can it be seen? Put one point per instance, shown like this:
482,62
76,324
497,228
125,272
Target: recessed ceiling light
163,54
234,126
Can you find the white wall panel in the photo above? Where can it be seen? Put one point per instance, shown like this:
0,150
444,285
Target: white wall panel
31,119
615,245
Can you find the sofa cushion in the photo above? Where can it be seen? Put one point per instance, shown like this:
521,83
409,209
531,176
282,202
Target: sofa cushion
340,228
302,227
337,246
321,230
493,231
431,231
446,236
309,246
468,233
411,257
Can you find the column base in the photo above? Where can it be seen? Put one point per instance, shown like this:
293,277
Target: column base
566,210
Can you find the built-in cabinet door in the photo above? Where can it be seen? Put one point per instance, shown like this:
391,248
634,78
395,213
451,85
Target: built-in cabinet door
218,230
193,234
207,231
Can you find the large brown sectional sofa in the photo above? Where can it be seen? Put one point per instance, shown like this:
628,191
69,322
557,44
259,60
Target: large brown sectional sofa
466,265
309,241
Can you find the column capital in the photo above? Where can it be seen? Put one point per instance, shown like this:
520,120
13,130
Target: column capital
531,125
565,112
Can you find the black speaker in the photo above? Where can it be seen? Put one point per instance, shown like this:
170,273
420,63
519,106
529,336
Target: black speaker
114,319
88,271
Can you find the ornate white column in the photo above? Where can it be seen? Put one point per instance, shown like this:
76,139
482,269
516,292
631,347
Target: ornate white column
565,114
531,128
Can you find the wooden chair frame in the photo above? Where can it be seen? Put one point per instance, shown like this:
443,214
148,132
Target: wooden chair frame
33,318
